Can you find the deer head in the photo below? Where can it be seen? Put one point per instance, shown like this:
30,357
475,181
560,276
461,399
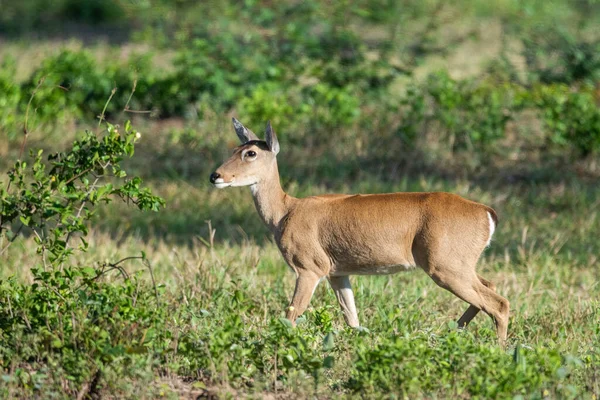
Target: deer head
249,162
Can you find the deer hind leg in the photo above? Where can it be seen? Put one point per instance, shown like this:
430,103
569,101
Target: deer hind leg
306,283
472,311
343,291
471,289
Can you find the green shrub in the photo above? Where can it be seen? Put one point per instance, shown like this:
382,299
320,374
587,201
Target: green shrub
555,56
220,69
56,203
270,101
572,118
68,318
73,85
332,107
467,113
413,111
454,364
69,81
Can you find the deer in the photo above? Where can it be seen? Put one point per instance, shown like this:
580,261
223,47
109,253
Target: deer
334,236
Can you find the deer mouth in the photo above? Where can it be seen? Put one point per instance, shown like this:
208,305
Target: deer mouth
221,184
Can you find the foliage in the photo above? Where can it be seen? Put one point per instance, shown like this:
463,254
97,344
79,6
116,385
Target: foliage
72,327
56,203
72,84
469,114
556,56
430,360
269,101
572,118
67,316
222,70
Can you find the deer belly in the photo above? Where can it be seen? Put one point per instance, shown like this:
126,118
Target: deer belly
373,269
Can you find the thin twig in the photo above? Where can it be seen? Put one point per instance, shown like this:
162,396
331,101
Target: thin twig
138,111
78,175
24,315
105,270
113,267
126,108
126,259
101,116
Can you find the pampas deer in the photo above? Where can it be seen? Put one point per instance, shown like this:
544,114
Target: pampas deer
334,236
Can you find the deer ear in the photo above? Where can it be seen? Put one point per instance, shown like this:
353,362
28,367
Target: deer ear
242,132
271,138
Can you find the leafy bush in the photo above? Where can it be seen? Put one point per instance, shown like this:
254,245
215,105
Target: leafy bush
454,364
81,326
572,118
55,204
65,84
270,101
332,107
72,84
556,56
222,69
318,105
468,113
304,96
68,318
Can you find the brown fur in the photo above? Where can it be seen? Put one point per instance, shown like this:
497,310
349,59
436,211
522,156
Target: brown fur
335,236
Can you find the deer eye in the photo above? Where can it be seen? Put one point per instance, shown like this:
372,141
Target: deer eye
251,154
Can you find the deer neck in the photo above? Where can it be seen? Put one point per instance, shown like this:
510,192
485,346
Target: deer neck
272,203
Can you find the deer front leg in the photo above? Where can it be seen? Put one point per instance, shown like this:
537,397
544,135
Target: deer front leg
343,292
306,283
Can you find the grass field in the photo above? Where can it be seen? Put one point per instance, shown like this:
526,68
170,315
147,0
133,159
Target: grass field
200,314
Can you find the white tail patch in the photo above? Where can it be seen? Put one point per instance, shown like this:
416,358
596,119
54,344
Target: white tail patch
492,228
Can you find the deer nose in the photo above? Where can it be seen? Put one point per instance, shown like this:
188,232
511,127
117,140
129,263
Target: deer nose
214,176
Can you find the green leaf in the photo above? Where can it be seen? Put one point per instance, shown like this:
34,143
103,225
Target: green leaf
285,322
328,342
